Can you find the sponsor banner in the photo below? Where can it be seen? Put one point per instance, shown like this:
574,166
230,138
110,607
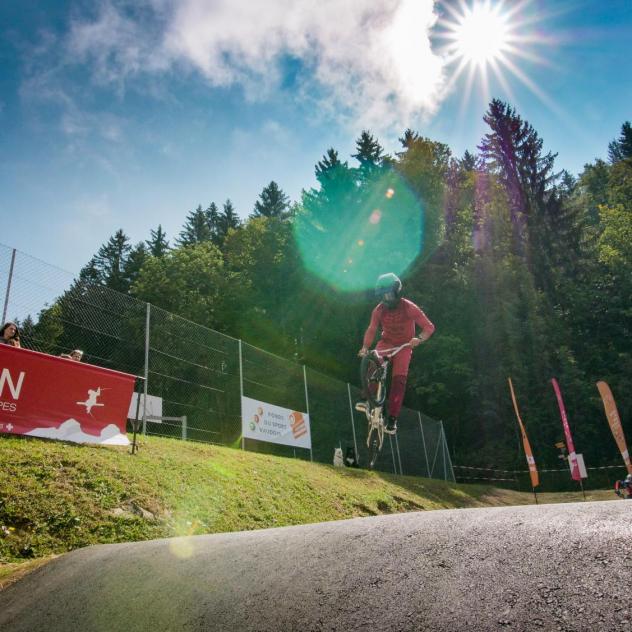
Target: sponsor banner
154,406
265,422
615,422
57,398
533,470
583,472
572,457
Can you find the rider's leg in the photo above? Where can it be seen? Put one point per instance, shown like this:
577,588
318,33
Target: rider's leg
398,382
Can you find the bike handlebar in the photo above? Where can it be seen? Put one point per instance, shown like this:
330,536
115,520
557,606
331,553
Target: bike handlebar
391,352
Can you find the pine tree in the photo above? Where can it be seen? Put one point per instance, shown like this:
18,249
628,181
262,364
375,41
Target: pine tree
157,245
213,219
196,229
370,154
593,185
110,261
272,202
227,220
469,162
621,148
90,273
134,262
513,151
407,141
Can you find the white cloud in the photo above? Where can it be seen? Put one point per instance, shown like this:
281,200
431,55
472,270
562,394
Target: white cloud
369,61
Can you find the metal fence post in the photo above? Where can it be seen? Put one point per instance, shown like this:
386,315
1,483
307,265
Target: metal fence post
8,292
147,322
241,393
184,427
355,443
443,443
390,441
399,458
423,440
311,455
446,456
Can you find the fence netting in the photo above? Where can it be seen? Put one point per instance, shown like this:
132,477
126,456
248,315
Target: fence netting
199,375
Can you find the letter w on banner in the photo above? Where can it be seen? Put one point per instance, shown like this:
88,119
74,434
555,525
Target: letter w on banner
615,422
533,470
572,457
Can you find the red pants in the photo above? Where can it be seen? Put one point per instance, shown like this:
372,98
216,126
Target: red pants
399,374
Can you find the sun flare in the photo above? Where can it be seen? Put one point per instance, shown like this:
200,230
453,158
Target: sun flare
485,39
482,34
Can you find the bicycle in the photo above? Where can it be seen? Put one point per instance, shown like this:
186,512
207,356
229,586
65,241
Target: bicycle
373,375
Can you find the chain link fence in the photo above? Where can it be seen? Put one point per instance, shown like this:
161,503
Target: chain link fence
199,374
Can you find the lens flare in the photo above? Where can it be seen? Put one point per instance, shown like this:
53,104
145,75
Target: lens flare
349,237
182,548
376,216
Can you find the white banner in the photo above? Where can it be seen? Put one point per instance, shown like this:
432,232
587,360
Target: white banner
154,406
265,422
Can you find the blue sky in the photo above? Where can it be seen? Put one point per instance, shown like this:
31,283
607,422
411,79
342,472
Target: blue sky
120,114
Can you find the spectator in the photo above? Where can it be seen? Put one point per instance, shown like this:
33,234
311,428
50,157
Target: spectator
350,458
10,335
75,354
624,488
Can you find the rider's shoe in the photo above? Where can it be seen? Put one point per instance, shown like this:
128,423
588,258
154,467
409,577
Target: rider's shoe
361,407
391,424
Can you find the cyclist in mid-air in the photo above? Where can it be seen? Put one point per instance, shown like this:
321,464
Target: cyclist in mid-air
397,317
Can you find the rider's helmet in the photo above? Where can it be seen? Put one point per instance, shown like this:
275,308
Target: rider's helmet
628,479
388,289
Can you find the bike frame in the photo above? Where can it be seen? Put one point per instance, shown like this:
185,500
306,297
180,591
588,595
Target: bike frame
375,414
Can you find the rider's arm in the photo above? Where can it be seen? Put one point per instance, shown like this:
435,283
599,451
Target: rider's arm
369,335
422,321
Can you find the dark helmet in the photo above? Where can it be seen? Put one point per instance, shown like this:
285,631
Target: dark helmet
388,289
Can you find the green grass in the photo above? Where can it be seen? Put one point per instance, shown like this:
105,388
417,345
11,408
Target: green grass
55,497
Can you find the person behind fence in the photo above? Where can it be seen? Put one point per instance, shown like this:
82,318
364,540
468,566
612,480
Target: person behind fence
75,354
398,318
350,457
10,335
623,488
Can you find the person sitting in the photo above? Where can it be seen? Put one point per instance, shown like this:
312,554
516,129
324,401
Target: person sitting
75,354
10,335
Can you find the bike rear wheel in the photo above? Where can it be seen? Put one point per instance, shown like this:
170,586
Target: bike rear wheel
371,380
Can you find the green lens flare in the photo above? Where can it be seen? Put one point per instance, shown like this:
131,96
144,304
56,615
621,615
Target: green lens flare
348,238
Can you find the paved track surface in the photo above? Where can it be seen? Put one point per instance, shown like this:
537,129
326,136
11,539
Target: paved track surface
547,567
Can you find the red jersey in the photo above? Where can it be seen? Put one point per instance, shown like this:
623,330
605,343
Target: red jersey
398,325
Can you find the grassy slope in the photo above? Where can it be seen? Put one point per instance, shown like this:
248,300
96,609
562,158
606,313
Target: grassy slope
55,497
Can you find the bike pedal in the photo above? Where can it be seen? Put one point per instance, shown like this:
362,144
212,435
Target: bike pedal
391,432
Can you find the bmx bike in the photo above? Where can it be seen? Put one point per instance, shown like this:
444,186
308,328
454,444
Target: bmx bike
374,368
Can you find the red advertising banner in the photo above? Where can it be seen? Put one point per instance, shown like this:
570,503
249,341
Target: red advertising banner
572,456
58,398
533,470
612,415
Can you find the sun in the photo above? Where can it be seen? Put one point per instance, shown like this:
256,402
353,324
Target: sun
482,34
489,38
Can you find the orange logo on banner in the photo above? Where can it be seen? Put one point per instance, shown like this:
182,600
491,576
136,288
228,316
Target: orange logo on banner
615,422
533,470
297,423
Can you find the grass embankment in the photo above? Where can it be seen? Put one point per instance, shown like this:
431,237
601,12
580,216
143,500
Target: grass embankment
55,497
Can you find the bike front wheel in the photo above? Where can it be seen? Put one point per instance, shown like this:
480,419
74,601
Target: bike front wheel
372,380
374,446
